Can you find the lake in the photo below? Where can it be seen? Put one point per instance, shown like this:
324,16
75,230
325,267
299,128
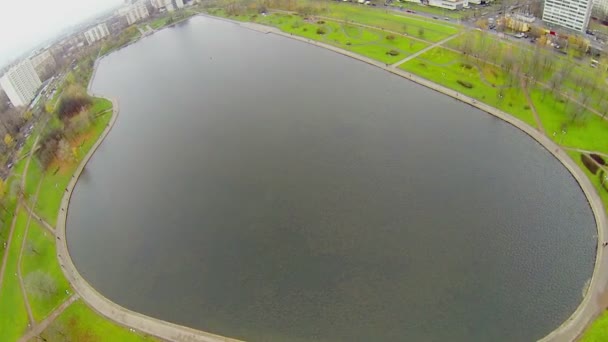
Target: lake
265,189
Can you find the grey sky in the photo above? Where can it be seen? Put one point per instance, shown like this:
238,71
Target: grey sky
23,24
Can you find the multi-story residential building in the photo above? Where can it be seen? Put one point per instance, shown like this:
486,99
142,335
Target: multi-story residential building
20,83
136,12
169,5
571,14
449,4
44,63
601,7
96,33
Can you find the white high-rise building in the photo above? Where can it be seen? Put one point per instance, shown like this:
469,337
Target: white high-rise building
43,63
179,3
96,33
137,12
571,14
601,6
20,83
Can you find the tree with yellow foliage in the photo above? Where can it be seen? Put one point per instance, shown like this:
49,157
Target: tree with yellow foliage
8,140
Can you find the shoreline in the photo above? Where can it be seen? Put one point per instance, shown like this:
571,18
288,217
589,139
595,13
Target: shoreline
96,301
575,324
569,330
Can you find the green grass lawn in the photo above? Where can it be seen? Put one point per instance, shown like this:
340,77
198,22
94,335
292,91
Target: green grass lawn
589,132
56,179
158,23
597,331
79,323
595,180
446,67
371,43
40,256
13,319
434,30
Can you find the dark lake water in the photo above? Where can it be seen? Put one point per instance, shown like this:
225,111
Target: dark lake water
268,190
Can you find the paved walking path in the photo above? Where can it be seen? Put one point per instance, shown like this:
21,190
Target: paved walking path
12,229
23,241
590,306
586,151
151,326
42,222
6,250
40,327
568,331
439,43
539,123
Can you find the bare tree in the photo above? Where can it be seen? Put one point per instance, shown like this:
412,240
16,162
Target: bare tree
421,32
604,108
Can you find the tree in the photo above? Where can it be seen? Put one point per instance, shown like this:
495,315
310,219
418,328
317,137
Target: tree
604,108
580,108
72,102
482,24
64,150
421,32
49,145
3,101
27,115
80,123
8,140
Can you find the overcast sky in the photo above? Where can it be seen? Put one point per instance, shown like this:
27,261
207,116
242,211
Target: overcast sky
25,23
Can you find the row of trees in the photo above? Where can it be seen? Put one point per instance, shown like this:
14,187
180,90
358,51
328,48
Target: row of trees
536,64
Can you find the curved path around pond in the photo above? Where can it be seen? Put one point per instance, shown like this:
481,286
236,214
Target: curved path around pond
151,326
589,308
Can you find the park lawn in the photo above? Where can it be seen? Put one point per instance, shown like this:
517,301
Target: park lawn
58,175
598,330
595,180
79,323
13,319
100,105
589,132
34,175
513,100
370,43
434,30
40,255
158,23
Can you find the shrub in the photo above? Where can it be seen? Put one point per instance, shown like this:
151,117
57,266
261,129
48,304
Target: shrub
602,181
589,163
348,43
321,30
392,52
465,84
598,159
526,107
390,37
320,22
305,29
72,102
466,66
49,144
